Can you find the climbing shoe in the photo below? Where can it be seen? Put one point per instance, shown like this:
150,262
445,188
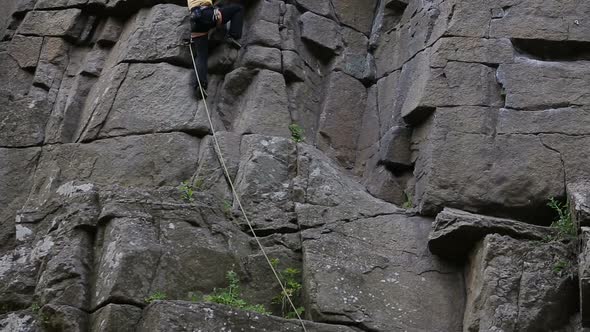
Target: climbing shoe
233,42
199,95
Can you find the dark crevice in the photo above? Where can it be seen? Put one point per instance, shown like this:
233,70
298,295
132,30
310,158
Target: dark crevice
548,50
418,115
358,325
397,169
118,301
262,232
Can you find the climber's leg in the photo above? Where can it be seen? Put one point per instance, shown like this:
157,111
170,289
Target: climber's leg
233,13
201,46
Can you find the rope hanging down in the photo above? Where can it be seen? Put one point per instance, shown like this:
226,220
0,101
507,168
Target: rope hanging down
235,193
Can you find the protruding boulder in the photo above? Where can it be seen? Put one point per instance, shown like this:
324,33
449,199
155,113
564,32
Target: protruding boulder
115,317
515,285
579,199
321,32
455,232
57,23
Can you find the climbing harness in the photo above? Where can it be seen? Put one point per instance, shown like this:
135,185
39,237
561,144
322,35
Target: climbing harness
235,193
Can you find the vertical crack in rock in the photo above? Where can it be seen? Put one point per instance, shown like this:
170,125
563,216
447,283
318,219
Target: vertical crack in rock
562,163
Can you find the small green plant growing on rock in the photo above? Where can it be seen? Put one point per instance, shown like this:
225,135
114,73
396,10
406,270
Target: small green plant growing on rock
186,191
35,308
231,296
408,203
226,207
157,296
564,226
289,278
297,133
560,266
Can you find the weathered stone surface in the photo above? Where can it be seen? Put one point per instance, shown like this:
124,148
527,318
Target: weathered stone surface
455,232
493,92
293,66
341,117
264,33
394,149
557,84
156,35
94,61
18,322
14,114
482,50
356,14
262,57
16,172
25,50
388,284
49,4
517,285
355,60
579,199
100,102
148,160
113,317
110,30
267,165
125,268
424,88
64,318
66,275
318,7
64,120
370,130
546,20
52,65
387,54
210,174
321,32
573,121
383,184
584,275
266,10
163,315
62,23
20,80
475,179
574,152
264,108
166,105
324,196
386,94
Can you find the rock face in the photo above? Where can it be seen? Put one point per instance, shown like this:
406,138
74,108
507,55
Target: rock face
211,317
397,156
452,227
518,286
374,272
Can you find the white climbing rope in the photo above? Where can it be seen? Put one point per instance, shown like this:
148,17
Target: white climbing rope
235,193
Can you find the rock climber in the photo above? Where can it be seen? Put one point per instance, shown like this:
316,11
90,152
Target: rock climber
204,16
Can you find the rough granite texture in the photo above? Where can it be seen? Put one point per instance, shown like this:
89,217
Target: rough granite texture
434,134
